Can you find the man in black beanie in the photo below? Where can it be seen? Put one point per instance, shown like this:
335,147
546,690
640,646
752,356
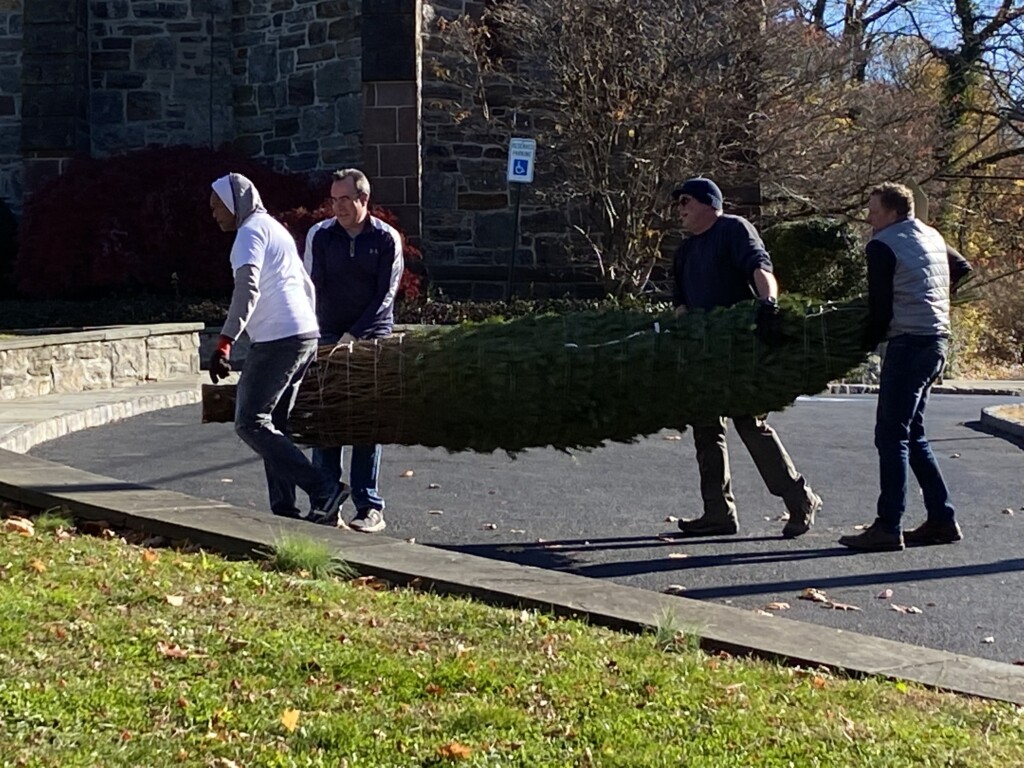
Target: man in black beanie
724,262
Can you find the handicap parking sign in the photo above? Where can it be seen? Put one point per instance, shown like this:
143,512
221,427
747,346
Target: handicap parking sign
521,154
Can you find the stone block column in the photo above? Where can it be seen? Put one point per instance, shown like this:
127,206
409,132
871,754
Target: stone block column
391,107
10,103
55,87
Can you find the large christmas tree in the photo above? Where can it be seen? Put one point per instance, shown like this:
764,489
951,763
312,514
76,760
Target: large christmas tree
567,381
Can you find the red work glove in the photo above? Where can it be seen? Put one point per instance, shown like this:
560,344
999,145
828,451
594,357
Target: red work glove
219,365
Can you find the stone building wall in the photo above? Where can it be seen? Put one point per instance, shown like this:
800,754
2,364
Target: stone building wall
278,79
11,17
468,204
158,74
297,80
391,107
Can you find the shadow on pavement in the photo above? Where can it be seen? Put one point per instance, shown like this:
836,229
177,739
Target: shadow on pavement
558,555
858,580
977,426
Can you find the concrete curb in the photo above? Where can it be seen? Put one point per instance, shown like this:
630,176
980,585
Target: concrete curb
43,484
938,389
27,423
992,418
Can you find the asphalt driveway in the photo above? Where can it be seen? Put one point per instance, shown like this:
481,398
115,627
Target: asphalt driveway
606,514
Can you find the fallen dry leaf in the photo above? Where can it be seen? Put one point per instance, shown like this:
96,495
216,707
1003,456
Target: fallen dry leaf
885,594
408,473
1008,511
149,556
490,527
988,639
176,600
432,486
674,589
762,612
453,750
19,525
38,566
290,719
819,682
435,511
777,606
815,595
671,519
171,650
411,540
954,455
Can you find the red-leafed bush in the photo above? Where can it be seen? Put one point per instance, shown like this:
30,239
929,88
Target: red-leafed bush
140,223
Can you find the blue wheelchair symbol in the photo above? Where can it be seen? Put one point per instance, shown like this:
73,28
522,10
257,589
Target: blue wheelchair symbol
520,168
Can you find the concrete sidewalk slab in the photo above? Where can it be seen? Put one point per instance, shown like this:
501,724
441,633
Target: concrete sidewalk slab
27,422
43,484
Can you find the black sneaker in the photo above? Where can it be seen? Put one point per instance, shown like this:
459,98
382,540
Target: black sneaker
329,512
934,532
801,523
708,525
369,520
874,539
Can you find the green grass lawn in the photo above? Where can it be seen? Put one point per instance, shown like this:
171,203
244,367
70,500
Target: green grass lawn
118,655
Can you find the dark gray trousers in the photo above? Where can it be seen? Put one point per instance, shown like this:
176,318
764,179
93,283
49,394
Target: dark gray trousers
769,455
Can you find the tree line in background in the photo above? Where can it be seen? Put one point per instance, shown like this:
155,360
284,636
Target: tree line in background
815,101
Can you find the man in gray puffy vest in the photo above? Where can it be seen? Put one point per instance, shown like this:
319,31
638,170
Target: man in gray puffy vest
911,275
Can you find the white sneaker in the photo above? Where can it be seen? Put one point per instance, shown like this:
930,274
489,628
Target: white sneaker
369,520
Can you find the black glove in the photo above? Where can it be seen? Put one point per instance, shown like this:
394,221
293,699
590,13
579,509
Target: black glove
768,322
219,365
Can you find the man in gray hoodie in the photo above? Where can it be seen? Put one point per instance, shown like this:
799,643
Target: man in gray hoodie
273,301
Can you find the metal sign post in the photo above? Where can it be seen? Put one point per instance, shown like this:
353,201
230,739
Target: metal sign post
521,155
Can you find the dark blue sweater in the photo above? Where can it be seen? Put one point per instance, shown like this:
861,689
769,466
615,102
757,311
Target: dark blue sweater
716,267
356,279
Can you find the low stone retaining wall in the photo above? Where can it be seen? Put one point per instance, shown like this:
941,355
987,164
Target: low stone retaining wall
35,364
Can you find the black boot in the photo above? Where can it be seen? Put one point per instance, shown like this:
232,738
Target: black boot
710,525
934,532
801,523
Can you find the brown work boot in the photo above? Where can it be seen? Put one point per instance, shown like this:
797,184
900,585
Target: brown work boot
934,532
874,539
710,525
801,523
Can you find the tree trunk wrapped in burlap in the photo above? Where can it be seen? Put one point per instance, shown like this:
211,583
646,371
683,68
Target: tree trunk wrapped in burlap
567,381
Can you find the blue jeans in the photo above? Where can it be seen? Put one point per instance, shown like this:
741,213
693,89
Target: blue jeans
362,474
266,394
365,467
911,366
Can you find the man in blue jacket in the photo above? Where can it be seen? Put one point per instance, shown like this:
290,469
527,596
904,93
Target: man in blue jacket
355,262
